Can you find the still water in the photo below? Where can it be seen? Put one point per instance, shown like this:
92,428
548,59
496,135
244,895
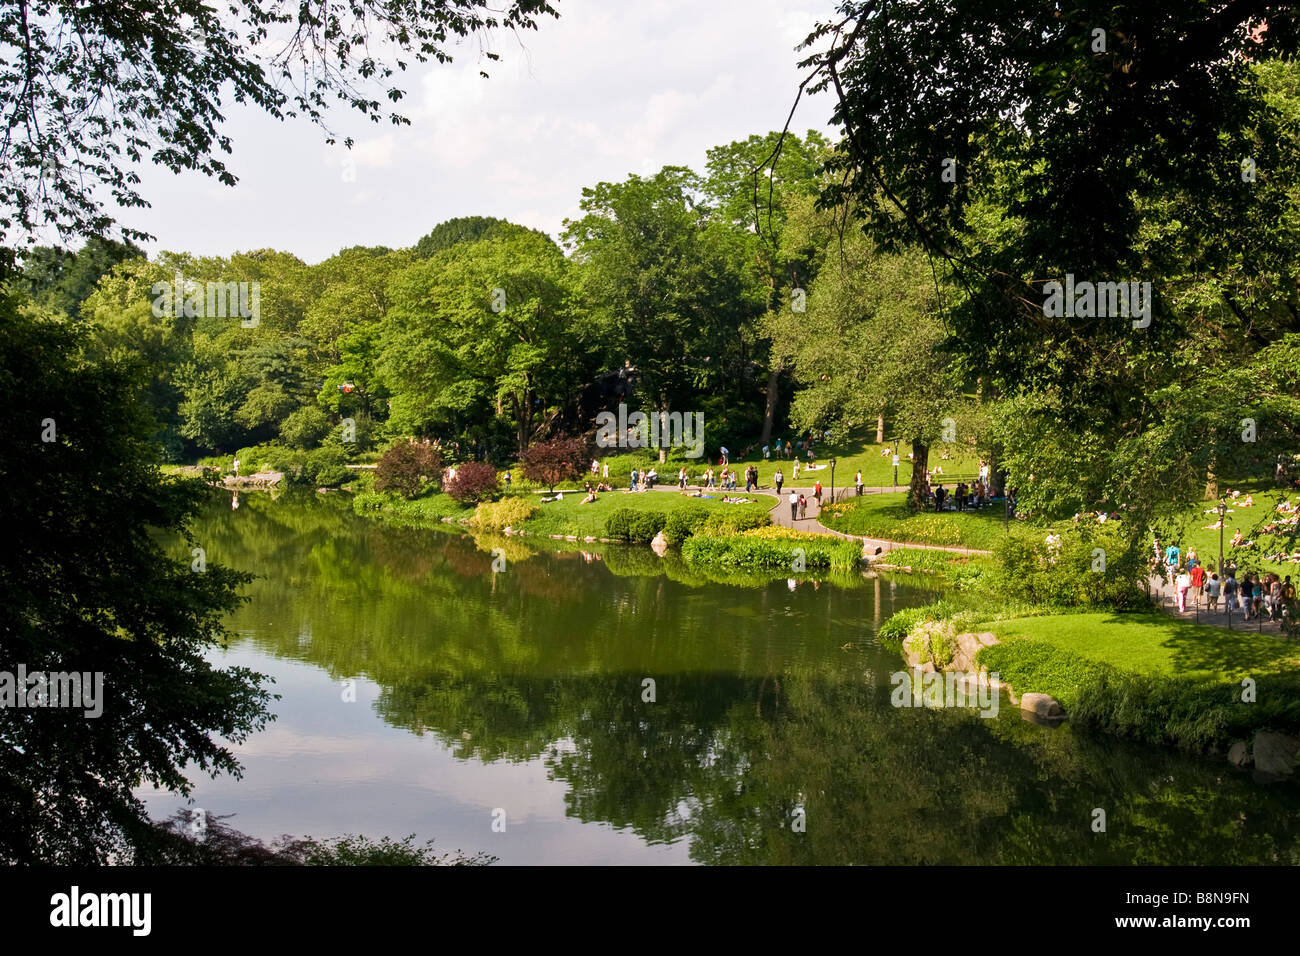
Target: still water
520,696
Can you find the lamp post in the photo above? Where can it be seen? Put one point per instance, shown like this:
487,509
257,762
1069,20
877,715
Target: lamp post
1223,511
832,481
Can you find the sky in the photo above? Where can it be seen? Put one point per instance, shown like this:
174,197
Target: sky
609,89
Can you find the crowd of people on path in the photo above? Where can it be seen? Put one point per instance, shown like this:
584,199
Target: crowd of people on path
1254,594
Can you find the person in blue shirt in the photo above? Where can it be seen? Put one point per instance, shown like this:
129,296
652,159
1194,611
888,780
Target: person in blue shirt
632,485
1171,557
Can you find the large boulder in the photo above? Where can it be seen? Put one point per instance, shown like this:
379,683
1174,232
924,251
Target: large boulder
660,544
1275,754
1239,755
1040,705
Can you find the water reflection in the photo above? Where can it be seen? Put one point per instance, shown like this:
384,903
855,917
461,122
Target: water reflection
525,689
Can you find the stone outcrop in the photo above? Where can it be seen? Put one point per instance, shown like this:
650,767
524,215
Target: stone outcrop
260,480
1274,755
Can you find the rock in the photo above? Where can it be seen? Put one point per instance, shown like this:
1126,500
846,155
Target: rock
1239,754
1040,705
570,537
589,539
1275,754
988,639
660,544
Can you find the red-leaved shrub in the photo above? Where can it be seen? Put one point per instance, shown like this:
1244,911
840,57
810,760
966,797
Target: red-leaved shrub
474,481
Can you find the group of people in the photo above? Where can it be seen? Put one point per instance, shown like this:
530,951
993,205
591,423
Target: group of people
1254,594
787,448
963,497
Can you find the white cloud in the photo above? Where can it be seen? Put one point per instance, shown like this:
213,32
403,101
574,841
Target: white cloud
605,91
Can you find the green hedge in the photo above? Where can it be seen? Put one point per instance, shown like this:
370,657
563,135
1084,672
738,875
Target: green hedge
635,526
768,554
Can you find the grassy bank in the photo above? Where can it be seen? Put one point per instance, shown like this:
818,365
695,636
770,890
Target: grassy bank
1144,676
888,517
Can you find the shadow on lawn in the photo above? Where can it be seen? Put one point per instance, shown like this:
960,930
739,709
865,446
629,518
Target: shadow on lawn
1202,647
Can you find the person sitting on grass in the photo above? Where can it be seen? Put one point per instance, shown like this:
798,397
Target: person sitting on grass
591,495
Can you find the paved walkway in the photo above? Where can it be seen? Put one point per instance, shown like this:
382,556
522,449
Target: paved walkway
1166,597
781,516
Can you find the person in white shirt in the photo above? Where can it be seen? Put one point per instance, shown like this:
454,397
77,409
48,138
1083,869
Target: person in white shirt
794,504
1183,582
858,481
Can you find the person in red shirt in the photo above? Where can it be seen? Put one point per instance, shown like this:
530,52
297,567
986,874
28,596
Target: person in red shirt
1198,582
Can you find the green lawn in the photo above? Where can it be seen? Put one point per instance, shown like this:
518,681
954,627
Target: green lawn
877,470
1156,644
887,516
1206,540
570,516
567,516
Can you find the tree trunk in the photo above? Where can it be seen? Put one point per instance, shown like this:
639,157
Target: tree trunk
663,445
916,496
769,414
880,429
997,480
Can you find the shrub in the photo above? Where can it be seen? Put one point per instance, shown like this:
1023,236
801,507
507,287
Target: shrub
551,462
683,523
305,427
742,518
406,467
900,624
776,555
507,513
1072,575
638,527
474,481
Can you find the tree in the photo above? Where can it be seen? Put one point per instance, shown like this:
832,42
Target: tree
871,341
551,462
1149,142
62,280
668,285
753,185
94,90
466,229
485,328
88,587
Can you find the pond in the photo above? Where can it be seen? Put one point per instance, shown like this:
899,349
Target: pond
613,707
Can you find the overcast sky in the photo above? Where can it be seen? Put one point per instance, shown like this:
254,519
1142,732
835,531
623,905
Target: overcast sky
608,89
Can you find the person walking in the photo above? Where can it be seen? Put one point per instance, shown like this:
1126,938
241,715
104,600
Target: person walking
1197,574
779,478
1230,591
1183,582
794,505
803,505
817,493
1247,595
1212,588
857,481
796,469
507,482
631,486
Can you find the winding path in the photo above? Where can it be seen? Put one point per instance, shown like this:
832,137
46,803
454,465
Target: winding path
871,546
